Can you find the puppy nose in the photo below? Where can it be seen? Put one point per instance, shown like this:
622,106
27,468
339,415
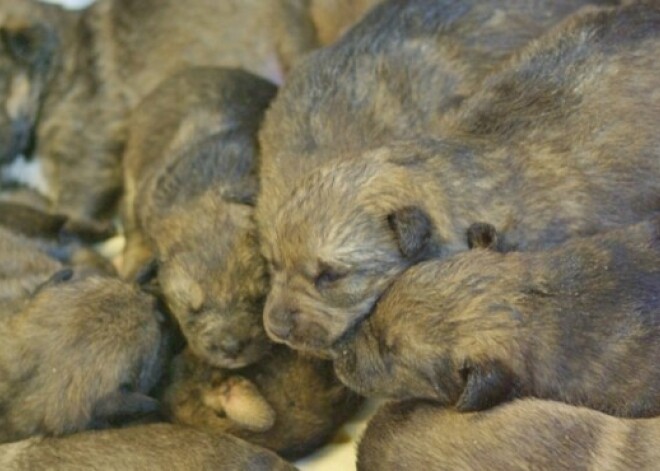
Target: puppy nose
230,346
281,331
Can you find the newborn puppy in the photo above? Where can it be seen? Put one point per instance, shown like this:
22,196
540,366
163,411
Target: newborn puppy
287,402
149,447
190,173
78,354
537,152
520,436
67,71
577,324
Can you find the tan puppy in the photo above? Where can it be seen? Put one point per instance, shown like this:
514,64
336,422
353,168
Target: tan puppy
68,72
287,402
537,152
577,324
73,71
191,180
77,354
519,436
157,447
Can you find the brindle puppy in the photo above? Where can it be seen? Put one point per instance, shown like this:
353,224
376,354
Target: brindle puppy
302,395
537,152
143,448
190,172
520,436
77,354
70,79
577,324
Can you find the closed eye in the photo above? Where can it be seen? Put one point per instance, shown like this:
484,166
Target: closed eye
328,275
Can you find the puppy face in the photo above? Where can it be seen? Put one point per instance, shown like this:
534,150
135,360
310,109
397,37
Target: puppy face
442,331
336,244
28,48
215,284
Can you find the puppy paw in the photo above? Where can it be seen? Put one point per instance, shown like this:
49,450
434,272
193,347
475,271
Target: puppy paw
240,400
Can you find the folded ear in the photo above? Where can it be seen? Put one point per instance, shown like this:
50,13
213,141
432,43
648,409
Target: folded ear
486,385
412,229
482,235
123,406
29,43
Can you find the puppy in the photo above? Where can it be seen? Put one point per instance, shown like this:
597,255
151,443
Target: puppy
519,436
69,71
141,448
288,403
537,152
190,173
78,354
576,324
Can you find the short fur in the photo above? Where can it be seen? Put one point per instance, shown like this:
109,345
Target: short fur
190,173
144,448
520,436
577,324
562,141
310,404
78,353
88,70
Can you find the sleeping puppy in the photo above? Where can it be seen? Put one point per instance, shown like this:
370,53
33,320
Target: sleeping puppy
287,402
77,353
191,180
520,436
65,72
141,448
536,152
577,324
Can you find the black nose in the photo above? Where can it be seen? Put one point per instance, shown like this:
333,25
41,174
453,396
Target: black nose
230,346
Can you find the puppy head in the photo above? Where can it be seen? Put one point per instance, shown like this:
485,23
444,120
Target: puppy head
99,349
345,233
445,330
29,45
214,281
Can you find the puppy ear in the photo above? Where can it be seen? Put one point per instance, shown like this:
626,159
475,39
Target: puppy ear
412,228
482,235
486,385
122,407
30,43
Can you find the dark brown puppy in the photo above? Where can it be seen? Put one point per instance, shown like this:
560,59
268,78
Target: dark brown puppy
537,152
77,354
304,397
157,447
190,173
519,436
577,324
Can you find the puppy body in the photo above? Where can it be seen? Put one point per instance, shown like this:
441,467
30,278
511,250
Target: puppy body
89,69
577,324
190,173
142,448
394,74
77,354
537,152
518,436
308,401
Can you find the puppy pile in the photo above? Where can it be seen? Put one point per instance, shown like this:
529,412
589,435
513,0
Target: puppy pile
452,205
